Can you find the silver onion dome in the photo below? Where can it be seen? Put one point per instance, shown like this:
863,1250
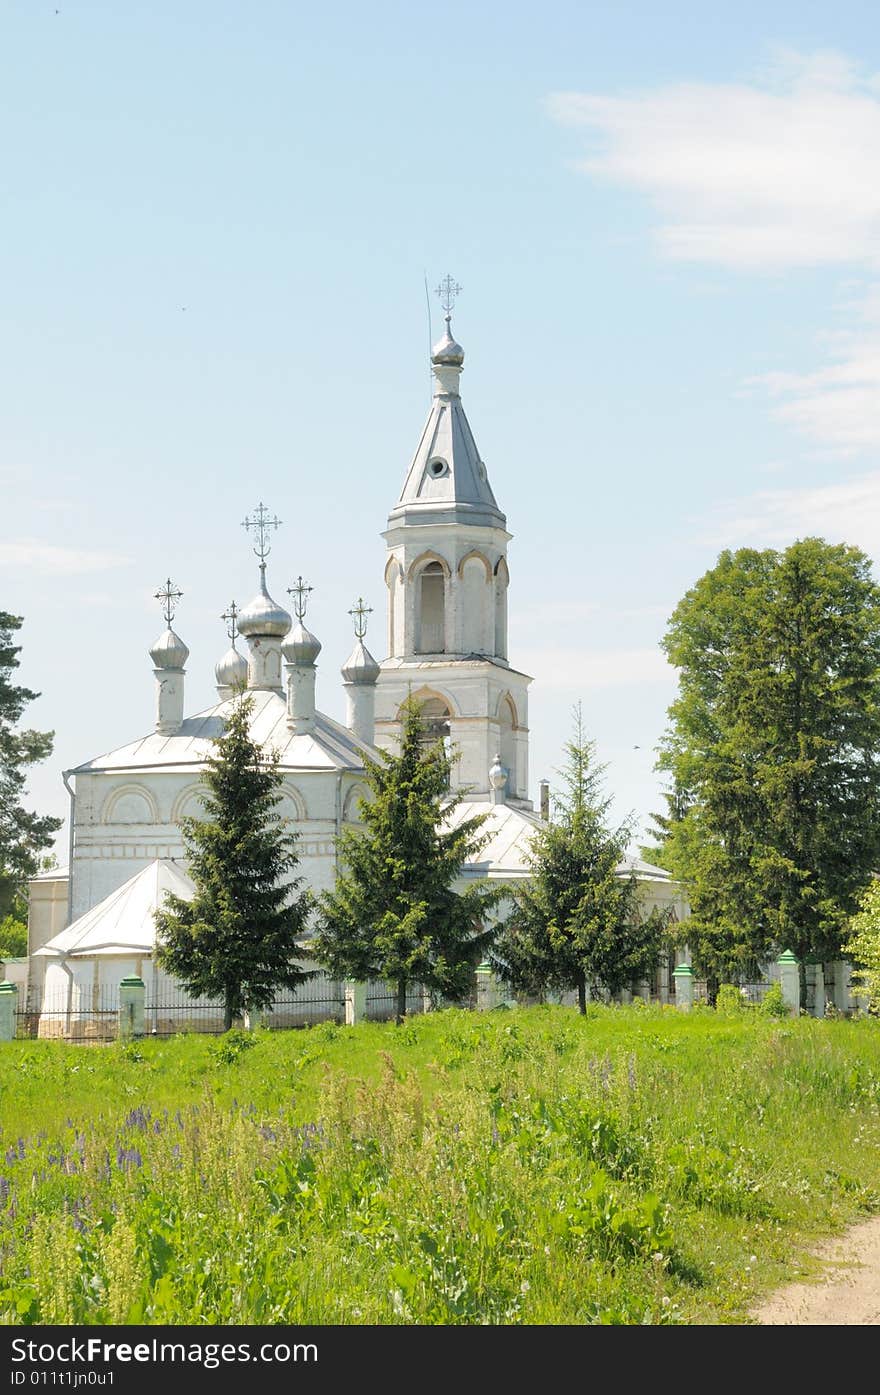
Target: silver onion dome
169,651
446,352
302,646
231,669
263,616
360,666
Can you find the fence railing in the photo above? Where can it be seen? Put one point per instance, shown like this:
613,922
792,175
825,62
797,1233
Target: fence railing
93,1014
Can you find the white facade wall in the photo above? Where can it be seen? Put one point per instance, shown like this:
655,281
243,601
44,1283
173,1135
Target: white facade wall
126,819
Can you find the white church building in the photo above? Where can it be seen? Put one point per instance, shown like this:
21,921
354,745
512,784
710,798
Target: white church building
446,574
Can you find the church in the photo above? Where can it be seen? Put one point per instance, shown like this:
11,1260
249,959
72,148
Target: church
446,576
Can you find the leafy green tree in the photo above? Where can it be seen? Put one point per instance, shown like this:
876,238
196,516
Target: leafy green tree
394,912
577,921
863,944
776,735
23,835
238,937
13,938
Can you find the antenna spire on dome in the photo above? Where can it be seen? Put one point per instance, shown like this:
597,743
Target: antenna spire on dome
169,595
359,613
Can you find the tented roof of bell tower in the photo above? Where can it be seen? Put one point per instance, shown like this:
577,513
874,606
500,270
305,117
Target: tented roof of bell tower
447,481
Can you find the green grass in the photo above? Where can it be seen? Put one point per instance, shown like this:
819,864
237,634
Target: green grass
530,1166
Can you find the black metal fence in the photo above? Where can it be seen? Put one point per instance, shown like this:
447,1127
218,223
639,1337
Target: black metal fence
92,1014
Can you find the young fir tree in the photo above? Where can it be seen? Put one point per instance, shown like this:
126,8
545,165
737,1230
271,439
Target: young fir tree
776,734
577,920
23,835
394,913
237,938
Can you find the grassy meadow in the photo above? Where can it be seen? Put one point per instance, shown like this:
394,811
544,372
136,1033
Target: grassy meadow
526,1166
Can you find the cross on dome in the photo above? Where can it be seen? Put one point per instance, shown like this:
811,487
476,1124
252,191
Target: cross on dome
169,595
300,592
359,613
261,523
231,616
448,291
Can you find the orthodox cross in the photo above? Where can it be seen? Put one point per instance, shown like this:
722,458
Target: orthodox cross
169,595
300,593
261,523
359,613
448,291
231,617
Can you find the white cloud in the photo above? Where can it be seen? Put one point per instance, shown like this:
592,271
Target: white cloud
837,405
583,669
845,512
49,560
780,172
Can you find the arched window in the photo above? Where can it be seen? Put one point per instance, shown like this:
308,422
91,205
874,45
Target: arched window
431,611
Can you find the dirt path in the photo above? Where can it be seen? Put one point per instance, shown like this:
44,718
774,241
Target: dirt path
848,1291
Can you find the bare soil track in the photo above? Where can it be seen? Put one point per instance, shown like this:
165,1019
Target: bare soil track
846,1292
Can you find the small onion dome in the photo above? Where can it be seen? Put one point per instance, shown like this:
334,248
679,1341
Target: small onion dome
232,669
498,775
169,651
447,352
263,616
360,666
302,646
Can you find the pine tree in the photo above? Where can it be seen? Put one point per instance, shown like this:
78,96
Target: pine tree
776,734
394,913
238,937
577,921
23,835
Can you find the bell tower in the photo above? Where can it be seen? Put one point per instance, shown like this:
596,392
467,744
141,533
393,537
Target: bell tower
446,576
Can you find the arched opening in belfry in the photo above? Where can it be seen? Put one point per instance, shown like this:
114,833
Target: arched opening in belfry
431,638
501,581
435,715
507,741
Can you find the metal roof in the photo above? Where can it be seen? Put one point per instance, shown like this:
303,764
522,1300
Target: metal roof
447,480
330,746
124,922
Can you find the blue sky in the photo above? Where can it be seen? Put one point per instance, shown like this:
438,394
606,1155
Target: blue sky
215,220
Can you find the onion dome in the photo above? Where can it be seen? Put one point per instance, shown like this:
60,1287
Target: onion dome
263,616
302,646
360,666
232,669
446,352
169,651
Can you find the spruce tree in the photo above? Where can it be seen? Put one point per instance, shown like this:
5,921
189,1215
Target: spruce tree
394,912
23,835
238,937
577,921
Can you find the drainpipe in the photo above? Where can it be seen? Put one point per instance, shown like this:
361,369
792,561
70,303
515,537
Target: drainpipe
70,791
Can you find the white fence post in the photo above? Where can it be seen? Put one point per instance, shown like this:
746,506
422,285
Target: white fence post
132,995
8,1005
355,1002
683,977
790,982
